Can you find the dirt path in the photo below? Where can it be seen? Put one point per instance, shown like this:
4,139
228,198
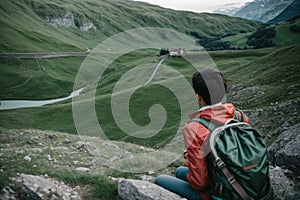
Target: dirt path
155,70
43,55
17,86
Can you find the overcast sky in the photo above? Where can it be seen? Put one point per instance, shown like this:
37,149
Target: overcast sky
196,5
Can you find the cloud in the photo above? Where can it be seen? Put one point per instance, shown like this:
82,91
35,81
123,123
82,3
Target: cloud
196,5
232,4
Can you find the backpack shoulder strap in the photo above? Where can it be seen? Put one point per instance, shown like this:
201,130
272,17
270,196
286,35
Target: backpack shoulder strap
230,178
239,115
207,124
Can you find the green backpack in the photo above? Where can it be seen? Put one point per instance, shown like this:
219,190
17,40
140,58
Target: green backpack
238,165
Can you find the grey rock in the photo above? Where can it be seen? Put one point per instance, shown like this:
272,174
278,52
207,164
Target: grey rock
83,169
51,135
146,178
67,141
27,158
129,189
66,20
87,26
48,157
41,187
283,188
285,151
114,179
34,140
81,145
27,194
5,193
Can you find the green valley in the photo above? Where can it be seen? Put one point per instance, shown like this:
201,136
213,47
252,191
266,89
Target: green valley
264,82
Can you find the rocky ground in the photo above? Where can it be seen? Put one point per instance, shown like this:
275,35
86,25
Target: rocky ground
35,163
27,154
270,117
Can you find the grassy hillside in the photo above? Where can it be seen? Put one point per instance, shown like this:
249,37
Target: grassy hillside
273,70
61,114
26,27
37,78
267,76
284,35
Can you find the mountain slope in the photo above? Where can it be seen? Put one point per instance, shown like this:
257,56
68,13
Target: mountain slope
291,11
228,9
262,10
35,26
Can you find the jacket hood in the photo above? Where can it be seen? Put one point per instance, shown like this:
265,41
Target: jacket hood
216,114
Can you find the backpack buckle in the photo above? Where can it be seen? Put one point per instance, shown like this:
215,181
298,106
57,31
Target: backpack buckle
220,163
231,180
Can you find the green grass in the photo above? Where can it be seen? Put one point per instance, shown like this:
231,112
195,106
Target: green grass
237,41
274,70
284,36
278,70
60,114
39,78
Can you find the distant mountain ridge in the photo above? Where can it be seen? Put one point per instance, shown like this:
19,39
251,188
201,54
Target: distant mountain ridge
229,9
262,10
293,10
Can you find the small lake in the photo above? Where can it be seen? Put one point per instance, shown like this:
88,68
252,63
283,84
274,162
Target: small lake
14,104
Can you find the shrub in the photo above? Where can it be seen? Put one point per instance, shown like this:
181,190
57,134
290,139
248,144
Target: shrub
262,38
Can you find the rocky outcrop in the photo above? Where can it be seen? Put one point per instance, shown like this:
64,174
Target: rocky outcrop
87,26
68,21
271,120
129,189
285,151
283,188
38,188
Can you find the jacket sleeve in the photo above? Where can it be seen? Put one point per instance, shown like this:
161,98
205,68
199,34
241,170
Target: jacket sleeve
194,135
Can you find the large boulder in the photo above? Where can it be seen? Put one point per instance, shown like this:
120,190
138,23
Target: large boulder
285,151
129,189
283,188
38,188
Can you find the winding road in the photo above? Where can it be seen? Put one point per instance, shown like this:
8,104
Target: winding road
155,70
43,55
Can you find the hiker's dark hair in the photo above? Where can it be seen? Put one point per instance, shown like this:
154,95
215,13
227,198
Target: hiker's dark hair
210,84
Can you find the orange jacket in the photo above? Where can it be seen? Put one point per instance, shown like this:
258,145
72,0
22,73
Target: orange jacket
194,136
